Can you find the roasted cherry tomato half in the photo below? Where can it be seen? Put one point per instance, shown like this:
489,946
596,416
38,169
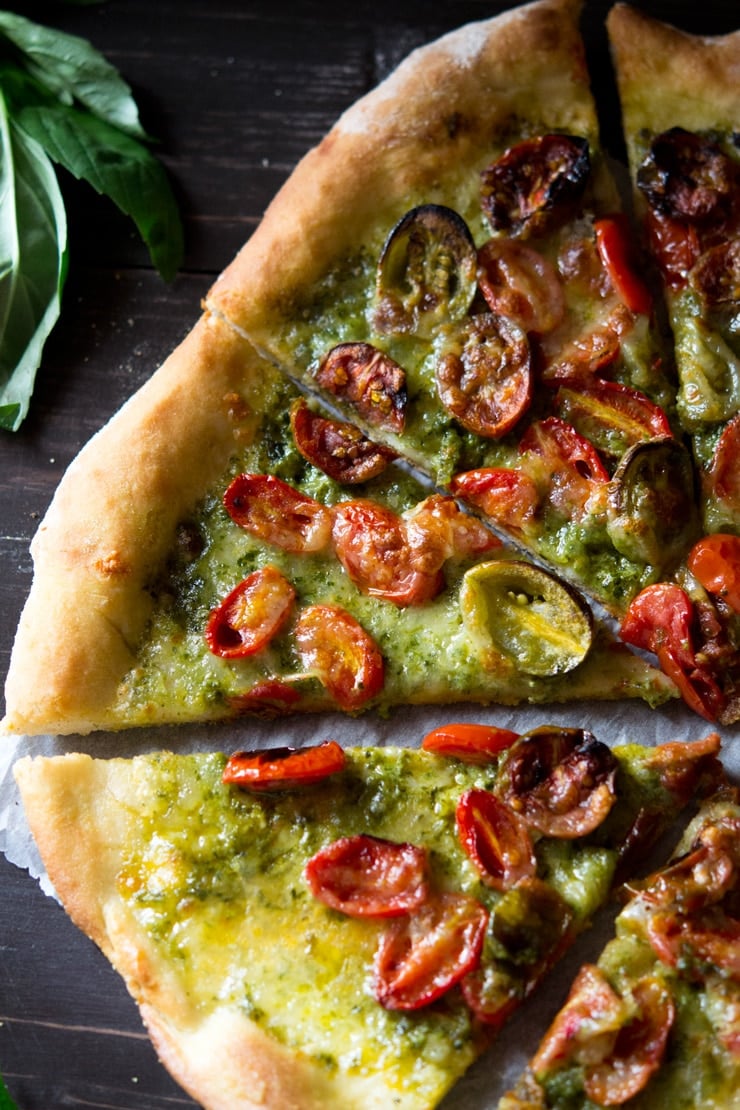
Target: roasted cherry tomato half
723,475
274,511
484,374
270,697
284,768
570,465
426,272
423,954
687,177
692,941
374,547
336,447
651,509
249,616
611,416
661,619
527,615
478,744
560,780
716,277
366,876
507,496
438,529
715,562
584,353
335,648
369,381
495,838
519,282
535,183
614,243
675,246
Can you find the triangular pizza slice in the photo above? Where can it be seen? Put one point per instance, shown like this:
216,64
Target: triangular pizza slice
680,96
320,927
222,548
656,1021
450,268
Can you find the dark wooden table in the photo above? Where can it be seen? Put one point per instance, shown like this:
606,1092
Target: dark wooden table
235,92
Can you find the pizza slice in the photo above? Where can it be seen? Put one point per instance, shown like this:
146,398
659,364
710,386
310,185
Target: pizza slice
261,557
320,927
656,1022
680,96
450,269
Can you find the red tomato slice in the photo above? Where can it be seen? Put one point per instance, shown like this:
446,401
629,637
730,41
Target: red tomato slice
284,768
478,744
336,447
267,697
366,876
372,544
496,839
599,410
276,512
249,617
369,380
724,471
613,240
715,562
572,466
340,653
592,1006
422,955
660,620
519,282
675,247
507,496
439,524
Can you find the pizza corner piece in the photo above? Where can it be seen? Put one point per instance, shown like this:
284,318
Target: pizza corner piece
302,929
655,1021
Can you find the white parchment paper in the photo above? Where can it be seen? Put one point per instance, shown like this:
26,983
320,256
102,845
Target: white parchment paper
613,723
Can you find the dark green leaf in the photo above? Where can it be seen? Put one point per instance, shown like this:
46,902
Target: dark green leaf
74,70
116,166
33,243
6,1102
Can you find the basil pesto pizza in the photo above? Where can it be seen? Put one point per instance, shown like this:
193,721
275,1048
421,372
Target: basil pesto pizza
323,927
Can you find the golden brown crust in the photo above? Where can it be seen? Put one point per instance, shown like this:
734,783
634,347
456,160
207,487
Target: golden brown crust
112,523
432,123
670,78
83,814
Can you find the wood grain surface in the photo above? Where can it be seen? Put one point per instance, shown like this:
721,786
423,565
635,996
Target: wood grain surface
235,93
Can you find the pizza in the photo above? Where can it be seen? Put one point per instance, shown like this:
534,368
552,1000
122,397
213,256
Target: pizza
680,124
655,1021
315,927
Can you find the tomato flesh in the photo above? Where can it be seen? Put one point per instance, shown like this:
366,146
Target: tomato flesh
615,248
368,380
470,743
724,470
507,496
519,282
284,768
366,876
422,955
336,447
715,562
274,511
251,615
495,838
335,648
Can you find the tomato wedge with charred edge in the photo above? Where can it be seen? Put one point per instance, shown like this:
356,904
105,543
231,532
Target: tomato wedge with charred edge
613,241
508,496
519,282
688,177
367,876
251,615
284,768
723,476
484,375
560,780
535,183
369,380
335,648
661,620
372,544
274,511
422,955
610,415
336,447
477,744
495,838
715,562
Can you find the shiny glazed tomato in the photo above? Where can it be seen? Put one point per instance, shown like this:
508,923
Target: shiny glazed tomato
338,651
366,876
274,511
249,616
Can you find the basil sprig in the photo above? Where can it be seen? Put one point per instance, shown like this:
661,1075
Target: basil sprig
62,102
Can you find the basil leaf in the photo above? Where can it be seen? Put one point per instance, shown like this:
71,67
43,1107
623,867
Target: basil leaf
116,166
6,1102
33,257
74,70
